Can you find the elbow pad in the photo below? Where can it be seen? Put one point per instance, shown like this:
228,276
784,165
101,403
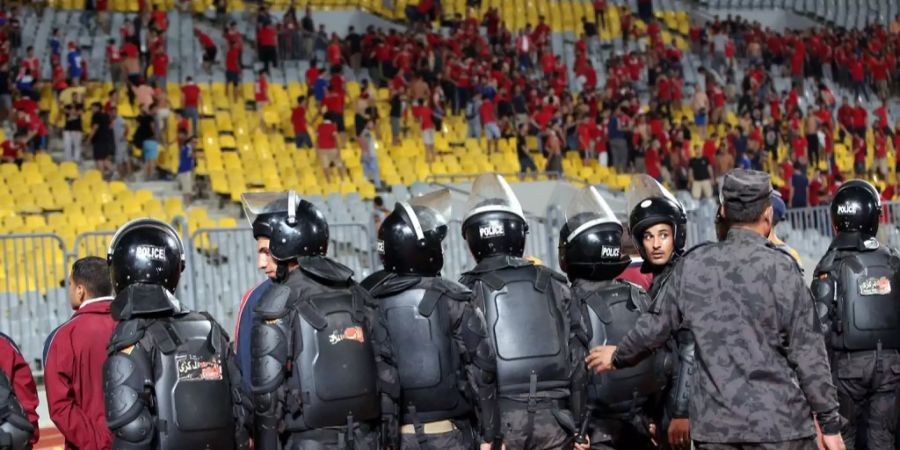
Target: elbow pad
126,406
269,349
680,395
823,291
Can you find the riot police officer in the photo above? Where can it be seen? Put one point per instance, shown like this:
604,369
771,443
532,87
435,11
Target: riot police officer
321,371
15,430
621,403
171,379
855,290
438,337
527,311
658,223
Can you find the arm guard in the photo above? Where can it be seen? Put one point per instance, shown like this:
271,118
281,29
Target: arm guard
481,367
270,348
243,404
680,394
388,377
580,338
127,375
15,429
823,291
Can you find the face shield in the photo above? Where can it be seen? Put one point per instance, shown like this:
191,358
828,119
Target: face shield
643,187
586,210
427,212
491,193
258,203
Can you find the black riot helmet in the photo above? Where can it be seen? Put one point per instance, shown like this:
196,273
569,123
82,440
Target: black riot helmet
409,240
856,207
296,227
494,223
649,204
145,251
266,222
591,239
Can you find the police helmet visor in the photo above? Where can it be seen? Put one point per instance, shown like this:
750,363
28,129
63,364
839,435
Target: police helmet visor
430,211
644,187
491,193
587,210
258,203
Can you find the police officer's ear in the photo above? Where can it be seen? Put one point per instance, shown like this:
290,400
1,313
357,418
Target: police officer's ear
721,213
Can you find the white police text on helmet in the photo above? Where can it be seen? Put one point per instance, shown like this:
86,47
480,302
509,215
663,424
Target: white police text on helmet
379,246
491,231
848,209
609,252
151,252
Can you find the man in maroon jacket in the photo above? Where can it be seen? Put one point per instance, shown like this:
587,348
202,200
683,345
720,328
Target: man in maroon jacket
74,356
13,364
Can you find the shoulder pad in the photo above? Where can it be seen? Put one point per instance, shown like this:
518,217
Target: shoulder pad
826,264
553,274
126,334
452,289
376,278
274,303
391,284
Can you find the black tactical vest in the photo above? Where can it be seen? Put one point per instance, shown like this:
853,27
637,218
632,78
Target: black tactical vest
527,326
868,300
193,401
334,370
427,358
613,309
15,429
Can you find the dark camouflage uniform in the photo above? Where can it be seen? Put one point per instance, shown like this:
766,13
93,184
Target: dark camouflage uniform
799,444
762,369
452,440
552,429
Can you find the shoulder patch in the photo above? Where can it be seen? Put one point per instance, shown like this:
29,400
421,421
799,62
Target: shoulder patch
274,303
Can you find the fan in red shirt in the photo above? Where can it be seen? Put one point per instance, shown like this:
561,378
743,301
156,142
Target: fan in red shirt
860,118
327,145
209,48
161,69
73,357
859,156
233,71
333,52
298,120
190,99
267,38
13,364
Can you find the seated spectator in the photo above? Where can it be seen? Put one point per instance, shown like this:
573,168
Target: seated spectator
14,150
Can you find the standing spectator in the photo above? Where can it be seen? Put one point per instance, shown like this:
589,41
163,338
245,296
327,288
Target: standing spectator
618,144
368,157
396,116
422,113
859,156
160,69
74,61
700,177
74,354
122,159
881,165
333,105
190,97
16,369
186,164
73,132
298,120
145,139
32,63
328,153
526,162
209,49
379,212
700,106
799,187
724,164
488,115
267,38
114,61
88,14
131,65
473,117
553,147
261,95
334,51
233,71
858,78
102,140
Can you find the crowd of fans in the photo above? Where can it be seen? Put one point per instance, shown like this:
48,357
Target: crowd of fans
505,84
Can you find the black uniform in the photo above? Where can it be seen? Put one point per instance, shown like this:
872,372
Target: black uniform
859,311
444,359
322,373
321,364
15,430
649,204
854,285
171,379
530,323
